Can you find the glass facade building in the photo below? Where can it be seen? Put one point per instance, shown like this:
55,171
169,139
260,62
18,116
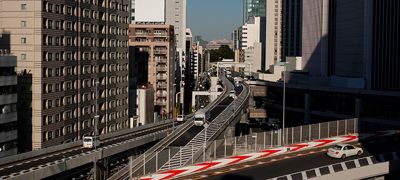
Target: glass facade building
252,8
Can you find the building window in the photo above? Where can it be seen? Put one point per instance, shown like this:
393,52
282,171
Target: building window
23,6
23,56
23,40
23,23
50,135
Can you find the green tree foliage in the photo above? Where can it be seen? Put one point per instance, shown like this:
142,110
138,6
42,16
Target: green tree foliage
223,52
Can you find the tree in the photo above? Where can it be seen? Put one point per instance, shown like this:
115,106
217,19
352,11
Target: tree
223,52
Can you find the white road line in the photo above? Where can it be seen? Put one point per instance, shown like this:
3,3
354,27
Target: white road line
344,167
317,172
357,163
289,177
303,175
369,160
331,170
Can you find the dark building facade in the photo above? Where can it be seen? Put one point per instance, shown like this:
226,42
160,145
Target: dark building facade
355,39
291,28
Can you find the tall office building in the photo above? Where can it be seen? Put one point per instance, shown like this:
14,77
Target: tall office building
291,28
154,45
273,36
198,59
253,43
354,40
253,8
63,49
8,103
175,15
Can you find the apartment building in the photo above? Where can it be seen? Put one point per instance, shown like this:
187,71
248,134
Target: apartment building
63,49
154,43
8,104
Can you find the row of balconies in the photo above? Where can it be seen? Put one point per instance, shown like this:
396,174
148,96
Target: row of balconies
8,117
162,93
8,80
161,77
8,99
161,68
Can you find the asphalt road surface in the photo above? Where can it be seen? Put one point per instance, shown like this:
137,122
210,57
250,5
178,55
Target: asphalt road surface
193,131
67,153
300,163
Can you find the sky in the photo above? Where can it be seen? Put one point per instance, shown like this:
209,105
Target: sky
214,19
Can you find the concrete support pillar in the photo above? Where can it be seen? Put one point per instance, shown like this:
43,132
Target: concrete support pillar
307,108
358,107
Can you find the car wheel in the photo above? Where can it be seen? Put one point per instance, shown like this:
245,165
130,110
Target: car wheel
359,153
343,156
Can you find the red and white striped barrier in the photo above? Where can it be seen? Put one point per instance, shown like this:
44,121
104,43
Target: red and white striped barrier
262,154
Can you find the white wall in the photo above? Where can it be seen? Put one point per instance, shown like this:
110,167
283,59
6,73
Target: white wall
150,10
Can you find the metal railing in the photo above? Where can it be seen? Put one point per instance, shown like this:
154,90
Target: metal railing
137,166
256,142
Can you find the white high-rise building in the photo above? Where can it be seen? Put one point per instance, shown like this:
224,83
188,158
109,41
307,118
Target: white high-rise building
252,42
175,14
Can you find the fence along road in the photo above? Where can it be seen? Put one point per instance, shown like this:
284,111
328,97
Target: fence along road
137,166
187,153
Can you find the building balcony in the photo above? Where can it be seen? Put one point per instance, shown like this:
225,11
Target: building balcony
8,135
8,80
8,117
161,60
162,69
160,51
158,78
162,93
161,86
161,34
8,99
161,103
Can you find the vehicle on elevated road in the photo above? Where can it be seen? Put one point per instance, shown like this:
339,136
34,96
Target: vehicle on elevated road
343,151
232,94
91,141
200,117
180,118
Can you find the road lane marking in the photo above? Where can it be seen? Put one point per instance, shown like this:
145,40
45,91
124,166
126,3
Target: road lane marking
344,167
369,160
331,170
317,172
304,175
357,163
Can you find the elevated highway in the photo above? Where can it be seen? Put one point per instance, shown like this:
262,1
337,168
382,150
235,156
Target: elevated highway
222,111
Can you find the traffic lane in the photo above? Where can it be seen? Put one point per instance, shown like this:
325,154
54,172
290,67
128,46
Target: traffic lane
291,165
188,135
51,158
283,167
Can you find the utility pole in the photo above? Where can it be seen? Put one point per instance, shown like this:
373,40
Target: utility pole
284,105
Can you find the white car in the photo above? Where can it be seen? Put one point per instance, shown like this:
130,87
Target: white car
344,150
180,118
232,94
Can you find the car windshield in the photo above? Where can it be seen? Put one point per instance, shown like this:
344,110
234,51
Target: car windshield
87,139
337,147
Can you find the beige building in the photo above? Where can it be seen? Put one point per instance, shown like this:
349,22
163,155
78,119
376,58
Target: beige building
154,43
145,105
63,48
273,21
